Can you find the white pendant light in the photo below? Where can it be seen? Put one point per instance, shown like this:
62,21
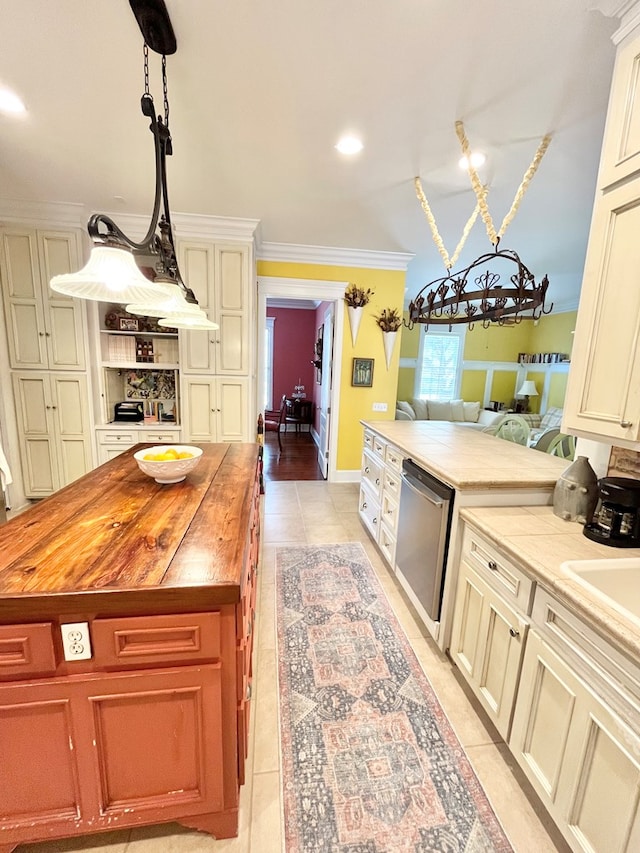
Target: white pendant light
111,275
188,321
174,303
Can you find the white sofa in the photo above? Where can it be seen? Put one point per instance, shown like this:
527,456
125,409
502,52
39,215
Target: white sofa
456,411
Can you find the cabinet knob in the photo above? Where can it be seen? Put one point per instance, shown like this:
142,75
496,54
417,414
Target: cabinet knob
364,505
41,334
48,407
374,520
513,632
492,565
47,334
626,424
248,691
377,481
211,341
366,470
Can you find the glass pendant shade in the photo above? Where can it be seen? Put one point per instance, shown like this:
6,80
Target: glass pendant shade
111,275
175,303
188,321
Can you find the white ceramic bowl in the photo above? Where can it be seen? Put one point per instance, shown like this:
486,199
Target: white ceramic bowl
171,470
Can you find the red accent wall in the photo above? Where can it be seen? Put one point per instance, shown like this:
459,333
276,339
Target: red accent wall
294,336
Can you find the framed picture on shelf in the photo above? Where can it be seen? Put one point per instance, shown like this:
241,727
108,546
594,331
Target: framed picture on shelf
128,324
362,375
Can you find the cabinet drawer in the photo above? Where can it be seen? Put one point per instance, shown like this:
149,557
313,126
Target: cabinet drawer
372,471
379,447
139,640
391,484
26,650
113,437
368,439
167,437
387,543
389,512
512,583
369,509
393,458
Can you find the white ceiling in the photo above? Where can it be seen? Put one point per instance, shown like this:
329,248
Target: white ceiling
260,92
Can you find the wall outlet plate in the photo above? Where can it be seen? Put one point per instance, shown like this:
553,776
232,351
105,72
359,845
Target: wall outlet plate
76,641
379,407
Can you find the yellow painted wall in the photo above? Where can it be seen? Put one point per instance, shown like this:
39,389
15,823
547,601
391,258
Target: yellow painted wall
551,333
356,403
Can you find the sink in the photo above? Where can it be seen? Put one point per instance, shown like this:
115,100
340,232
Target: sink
617,581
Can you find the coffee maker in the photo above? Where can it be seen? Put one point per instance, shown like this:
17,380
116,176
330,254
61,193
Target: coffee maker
616,518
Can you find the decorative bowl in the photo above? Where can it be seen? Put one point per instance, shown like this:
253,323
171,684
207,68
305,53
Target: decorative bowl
168,470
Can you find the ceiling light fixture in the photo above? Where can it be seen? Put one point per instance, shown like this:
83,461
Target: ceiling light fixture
11,103
477,159
349,145
111,274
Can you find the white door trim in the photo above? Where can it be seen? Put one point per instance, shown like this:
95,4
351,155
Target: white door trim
306,288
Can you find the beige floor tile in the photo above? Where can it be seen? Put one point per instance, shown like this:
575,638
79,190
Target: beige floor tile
325,534
523,818
267,570
171,838
320,514
281,503
266,825
265,617
284,529
103,842
266,754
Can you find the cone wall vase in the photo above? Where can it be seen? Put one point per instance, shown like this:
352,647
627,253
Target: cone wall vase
389,339
355,316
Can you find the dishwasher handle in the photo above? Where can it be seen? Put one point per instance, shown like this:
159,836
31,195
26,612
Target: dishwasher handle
421,490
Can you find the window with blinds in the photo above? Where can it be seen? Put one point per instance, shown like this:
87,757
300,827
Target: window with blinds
440,364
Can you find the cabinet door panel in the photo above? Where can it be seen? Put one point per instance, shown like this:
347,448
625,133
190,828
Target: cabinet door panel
465,637
65,317
199,399
38,772
621,147
232,397
599,399
158,740
543,716
23,305
231,344
198,347
71,426
603,806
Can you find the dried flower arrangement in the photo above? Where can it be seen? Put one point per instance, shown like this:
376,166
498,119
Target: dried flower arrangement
357,297
389,320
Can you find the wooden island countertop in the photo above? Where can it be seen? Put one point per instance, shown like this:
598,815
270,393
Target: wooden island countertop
118,531
126,637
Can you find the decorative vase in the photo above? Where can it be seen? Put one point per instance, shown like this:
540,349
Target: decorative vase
576,493
389,339
355,315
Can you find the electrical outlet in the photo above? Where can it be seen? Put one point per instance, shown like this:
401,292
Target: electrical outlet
379,407
75,641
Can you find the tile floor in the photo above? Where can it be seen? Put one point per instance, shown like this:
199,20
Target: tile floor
308,512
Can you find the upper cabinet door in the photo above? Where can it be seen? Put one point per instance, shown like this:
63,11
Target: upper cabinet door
22,296
65,336
219,276
45,330
603,391
621,147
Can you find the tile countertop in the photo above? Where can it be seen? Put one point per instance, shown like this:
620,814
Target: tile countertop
468,458
540,541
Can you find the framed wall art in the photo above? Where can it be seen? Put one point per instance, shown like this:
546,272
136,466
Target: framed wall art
362,375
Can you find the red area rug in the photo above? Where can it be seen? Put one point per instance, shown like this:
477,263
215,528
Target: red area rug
370,762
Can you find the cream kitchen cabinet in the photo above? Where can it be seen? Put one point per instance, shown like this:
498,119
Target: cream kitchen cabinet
490,626
45,330
380,492
114,441
53,429
580,755
603,401
216,409
219,276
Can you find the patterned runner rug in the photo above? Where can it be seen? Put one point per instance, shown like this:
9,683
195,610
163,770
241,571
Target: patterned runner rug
370,762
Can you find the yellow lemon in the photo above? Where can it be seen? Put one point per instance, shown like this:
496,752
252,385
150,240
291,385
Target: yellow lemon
184,454
171,453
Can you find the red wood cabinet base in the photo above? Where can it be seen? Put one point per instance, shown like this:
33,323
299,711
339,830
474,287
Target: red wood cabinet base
152,728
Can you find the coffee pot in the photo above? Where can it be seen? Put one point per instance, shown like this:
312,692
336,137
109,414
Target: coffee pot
616,518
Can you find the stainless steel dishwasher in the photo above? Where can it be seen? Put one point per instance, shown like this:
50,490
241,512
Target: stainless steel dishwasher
424,522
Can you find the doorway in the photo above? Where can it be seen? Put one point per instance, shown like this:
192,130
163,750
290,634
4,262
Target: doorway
322,291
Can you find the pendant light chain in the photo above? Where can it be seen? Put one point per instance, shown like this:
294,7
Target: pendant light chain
145,50
165,91
437,239
480,191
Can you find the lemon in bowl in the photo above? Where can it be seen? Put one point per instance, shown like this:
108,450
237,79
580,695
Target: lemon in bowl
168,463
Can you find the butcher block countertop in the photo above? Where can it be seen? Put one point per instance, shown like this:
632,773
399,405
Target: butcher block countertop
470,459
117,532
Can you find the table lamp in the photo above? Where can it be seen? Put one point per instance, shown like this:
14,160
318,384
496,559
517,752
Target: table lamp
526,390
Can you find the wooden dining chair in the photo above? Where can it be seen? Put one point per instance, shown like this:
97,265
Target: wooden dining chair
273,424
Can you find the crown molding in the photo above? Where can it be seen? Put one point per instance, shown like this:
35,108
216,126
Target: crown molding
43,214
194,226
627,11
333,256
301,304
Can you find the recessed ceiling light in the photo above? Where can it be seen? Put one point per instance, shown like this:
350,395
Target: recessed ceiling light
10,102
477,159
349,145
